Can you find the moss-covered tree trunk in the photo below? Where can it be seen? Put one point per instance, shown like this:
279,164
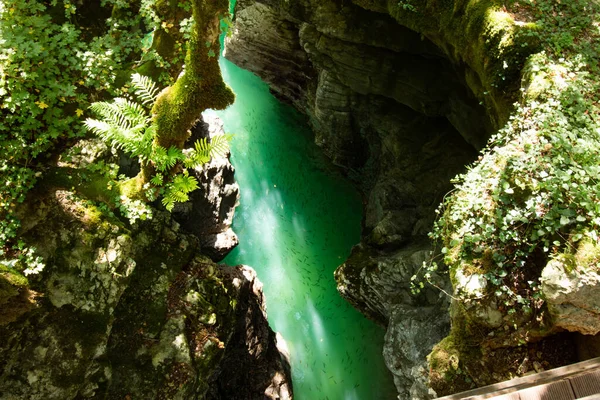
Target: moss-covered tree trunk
201,85
198,83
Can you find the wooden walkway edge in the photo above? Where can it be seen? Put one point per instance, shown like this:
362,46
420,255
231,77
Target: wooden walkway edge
575,381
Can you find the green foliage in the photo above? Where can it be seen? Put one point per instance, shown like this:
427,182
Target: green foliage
124,124
177,190
50,61
407,5
534,194
145,89
203,150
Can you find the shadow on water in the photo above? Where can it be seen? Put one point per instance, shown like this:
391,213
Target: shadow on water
297,221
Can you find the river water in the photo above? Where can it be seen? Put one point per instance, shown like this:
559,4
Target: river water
297,221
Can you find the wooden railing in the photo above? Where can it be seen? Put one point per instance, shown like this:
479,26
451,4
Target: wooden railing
575,381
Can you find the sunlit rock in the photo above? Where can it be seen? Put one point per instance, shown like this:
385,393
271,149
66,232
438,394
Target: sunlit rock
209,212
571,287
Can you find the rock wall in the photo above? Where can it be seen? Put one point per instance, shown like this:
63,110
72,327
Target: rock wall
402,94
387,106
130,310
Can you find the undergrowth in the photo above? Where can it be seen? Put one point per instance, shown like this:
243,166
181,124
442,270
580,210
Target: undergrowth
534,193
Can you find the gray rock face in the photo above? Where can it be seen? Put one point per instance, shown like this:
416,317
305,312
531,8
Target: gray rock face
386,105
209,213
378,284
132,311
260,32
573,296
412,332
289,45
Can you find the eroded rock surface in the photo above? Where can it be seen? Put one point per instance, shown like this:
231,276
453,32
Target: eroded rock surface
131,311
209,212
385,105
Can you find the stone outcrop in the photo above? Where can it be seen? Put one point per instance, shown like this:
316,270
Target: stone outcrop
571,286
209,212
378,284
127,310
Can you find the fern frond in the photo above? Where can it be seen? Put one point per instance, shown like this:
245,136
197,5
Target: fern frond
185,183
175,154
166,158
219,145
114,135
157,180
121,112
97,127
132,111
145,89
204,150
168,201
145,143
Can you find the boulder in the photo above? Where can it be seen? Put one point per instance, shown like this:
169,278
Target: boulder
571,287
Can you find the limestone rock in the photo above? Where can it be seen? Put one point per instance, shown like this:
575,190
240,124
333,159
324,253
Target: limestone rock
209,212
572,293
267,45
133,311
412,333
379,286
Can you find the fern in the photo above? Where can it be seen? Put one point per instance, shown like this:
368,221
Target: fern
145,89
204,150
165,159
125,125
177,191
157,180
122,113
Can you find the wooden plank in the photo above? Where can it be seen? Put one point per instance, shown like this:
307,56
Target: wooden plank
513,385
586,384
510,396
559,390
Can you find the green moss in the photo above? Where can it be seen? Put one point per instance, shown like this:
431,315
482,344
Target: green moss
201,86
13,277
588,254
449,361
132,188
480,35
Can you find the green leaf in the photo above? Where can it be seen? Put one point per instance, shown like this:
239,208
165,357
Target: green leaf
145,88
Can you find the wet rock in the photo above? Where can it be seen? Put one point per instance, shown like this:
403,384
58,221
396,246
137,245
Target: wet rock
268,45
209,212
257,363
378,284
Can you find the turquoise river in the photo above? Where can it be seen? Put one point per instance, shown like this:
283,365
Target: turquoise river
297,221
